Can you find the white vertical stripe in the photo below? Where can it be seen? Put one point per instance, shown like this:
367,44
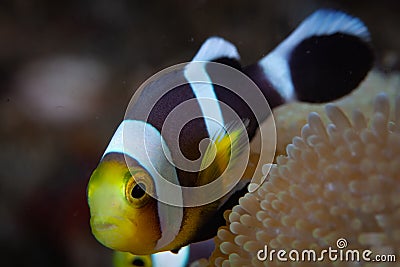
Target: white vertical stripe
276,68
144,143
196,74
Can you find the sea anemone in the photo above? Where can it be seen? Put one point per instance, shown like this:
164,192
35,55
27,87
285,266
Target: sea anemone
339,181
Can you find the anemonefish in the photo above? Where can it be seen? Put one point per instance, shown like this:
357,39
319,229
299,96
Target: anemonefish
326,57
184,257
161,259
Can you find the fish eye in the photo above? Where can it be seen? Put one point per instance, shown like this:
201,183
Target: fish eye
138,184
138,262
138,190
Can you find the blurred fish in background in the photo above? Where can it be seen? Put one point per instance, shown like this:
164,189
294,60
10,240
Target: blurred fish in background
67,72
183,257
161,259
125,259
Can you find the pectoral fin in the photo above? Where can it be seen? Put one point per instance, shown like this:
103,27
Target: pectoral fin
223,152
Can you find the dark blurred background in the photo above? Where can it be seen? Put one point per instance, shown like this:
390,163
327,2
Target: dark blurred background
67,72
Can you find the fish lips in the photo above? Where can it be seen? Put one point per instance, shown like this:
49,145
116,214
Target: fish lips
112,231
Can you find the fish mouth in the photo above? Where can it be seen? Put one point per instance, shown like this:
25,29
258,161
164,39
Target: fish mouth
104,226
112,232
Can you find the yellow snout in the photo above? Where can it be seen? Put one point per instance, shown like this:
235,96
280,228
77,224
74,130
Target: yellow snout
115,222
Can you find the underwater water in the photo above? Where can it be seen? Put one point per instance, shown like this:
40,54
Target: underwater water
68,70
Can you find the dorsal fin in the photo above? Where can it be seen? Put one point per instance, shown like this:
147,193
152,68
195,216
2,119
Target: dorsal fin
215,48
327,22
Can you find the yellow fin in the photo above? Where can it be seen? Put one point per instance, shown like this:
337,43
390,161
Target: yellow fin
222,153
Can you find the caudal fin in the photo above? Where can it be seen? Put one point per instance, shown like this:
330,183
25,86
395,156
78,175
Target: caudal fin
325,58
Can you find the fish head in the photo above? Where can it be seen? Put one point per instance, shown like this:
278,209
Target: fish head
123,215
